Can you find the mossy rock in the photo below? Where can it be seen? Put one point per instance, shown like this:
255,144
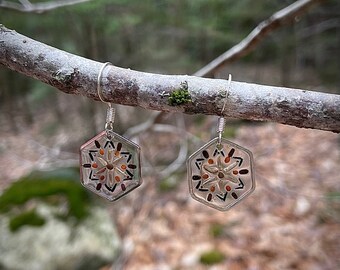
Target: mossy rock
41,233
31,218
91,244
51,187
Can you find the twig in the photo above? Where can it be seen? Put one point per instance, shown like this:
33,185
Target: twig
182,153
28,7
26,3
248,44
319,28
143,127
77,75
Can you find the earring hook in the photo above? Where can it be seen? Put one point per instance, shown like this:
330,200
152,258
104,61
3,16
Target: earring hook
221,120
110,113
99,88
227,94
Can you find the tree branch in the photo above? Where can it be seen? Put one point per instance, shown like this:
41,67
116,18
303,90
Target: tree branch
319,28
27,6
77,75
248,44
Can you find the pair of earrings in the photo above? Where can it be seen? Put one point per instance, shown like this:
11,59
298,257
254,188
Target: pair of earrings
220,173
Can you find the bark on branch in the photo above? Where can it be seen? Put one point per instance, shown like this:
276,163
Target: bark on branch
27,6
77,75
248,44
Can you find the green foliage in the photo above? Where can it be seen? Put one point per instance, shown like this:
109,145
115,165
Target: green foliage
30,218
136,30
216,230
212,257
230,131
199,119
180,96
50,129
168,184
331,210
43,186
38,93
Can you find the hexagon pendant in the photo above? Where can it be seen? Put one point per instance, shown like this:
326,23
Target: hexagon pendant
110,167
221,175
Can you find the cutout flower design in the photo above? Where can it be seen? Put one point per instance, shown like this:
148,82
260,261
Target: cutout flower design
110,168
220,175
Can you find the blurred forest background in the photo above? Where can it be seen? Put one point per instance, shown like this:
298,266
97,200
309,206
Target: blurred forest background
292,219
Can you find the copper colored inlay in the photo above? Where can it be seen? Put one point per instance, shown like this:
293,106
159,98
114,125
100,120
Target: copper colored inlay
101,151
227,160
205,176
109,166
235,172
95,165
210,161
101,170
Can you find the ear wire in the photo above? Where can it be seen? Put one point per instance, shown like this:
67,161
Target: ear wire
99,88
221,120
111,112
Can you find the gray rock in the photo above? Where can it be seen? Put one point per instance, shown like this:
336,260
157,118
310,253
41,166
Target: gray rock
58,244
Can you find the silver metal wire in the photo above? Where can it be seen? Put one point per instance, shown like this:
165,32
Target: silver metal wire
99,87
220,128
221,123
111,112
227,94
110,119
221,120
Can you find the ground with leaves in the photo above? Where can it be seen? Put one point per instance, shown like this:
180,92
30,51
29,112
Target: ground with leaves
290,222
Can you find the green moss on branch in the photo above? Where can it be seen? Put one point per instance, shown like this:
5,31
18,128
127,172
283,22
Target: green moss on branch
180,96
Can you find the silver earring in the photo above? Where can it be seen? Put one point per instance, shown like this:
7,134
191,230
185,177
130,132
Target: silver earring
221,173
110,163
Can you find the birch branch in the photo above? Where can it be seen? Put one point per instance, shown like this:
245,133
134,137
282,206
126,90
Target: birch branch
78,76
262,30
28,7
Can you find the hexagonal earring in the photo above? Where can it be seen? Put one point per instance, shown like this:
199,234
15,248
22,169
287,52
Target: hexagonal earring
221,173
110,163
